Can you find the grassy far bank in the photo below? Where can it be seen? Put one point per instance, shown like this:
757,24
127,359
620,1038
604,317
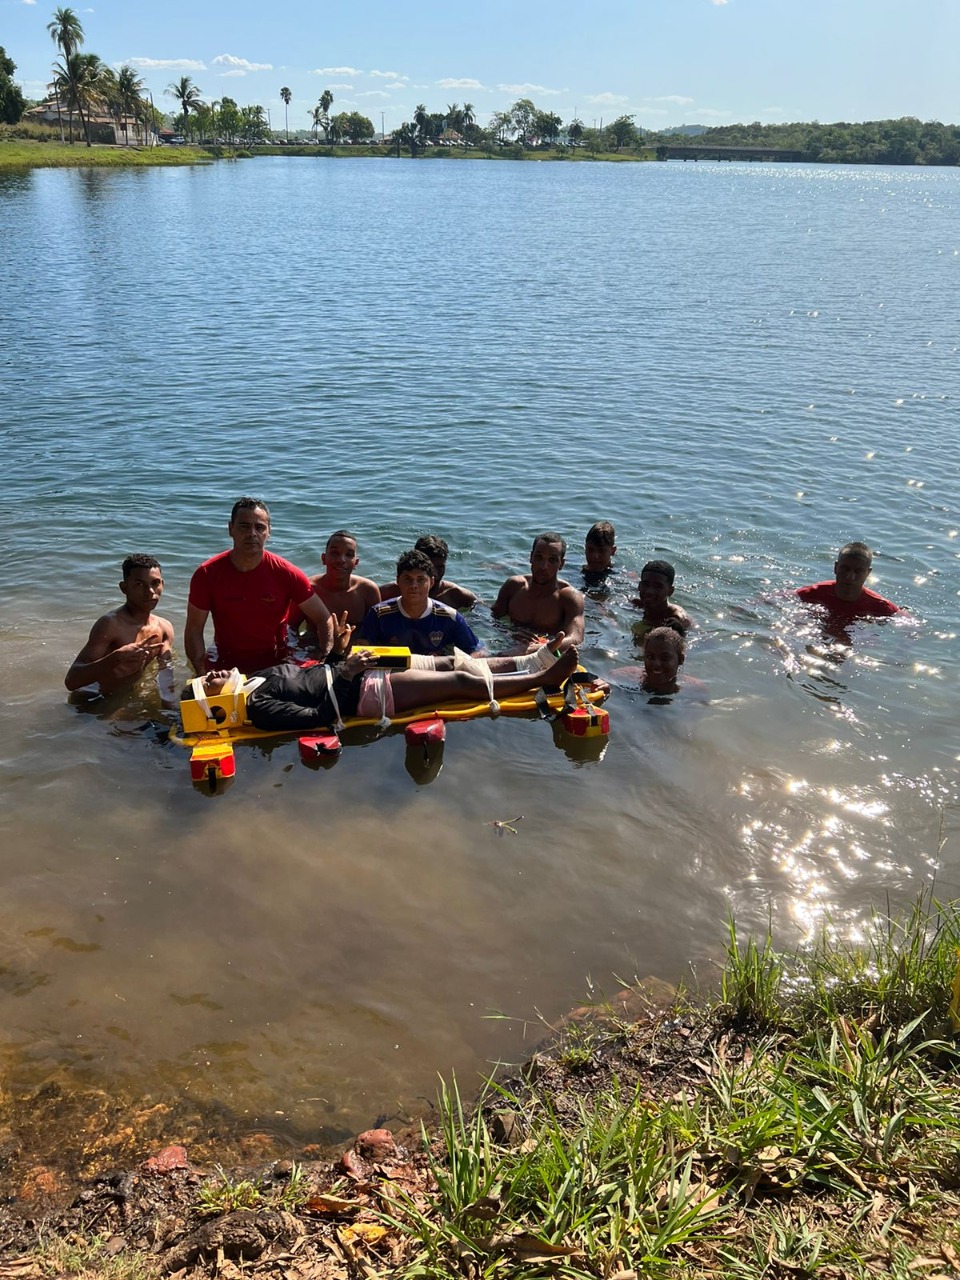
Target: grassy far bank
20,154
23,154
802,1122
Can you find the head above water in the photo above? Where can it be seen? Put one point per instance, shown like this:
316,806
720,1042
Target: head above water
340,558
664,649
600,546
436,551
142,583
851,569
546,560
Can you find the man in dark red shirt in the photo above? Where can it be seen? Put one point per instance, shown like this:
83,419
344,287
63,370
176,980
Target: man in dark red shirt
249,592
847,598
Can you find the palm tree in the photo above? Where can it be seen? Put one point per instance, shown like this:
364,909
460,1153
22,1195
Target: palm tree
317,117
575,131
469,114
421,120
326,102
81,79
454,117
66,32
187,94
129,92
286,96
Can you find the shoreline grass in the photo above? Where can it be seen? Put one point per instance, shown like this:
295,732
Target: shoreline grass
802,1122
22,154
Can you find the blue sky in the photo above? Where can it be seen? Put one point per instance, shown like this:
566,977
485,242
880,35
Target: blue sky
666,62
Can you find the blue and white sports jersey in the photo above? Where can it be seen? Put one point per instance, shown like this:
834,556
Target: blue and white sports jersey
434,632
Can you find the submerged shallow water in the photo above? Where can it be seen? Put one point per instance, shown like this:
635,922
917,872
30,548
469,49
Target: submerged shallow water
741,366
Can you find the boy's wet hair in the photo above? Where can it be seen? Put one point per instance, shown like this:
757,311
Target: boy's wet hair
858,549
139,561
249,504
414,562
672,633
554,539
601,534
340,533
661,567
432,545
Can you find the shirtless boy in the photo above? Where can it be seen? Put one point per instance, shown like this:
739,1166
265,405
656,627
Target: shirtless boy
348,596
539,602
653,597
126,640
846,597
447,592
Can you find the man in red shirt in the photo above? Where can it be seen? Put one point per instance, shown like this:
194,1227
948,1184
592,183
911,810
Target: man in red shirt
847,598
249,592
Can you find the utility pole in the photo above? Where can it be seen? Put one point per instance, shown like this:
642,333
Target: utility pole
383,132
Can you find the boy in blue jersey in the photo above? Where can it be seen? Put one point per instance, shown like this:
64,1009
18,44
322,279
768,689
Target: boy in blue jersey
413,619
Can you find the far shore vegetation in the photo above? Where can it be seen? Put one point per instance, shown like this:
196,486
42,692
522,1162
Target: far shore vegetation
93,103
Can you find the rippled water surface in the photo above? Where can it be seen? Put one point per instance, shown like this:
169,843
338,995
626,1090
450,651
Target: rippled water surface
741,366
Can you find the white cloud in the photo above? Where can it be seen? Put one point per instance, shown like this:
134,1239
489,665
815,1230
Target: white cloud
772,111
398,85
714,115
167,64
675,98
29,1
608,99
389,75
451,82
342,88
719,1
527,88
653,111
337,71
373,93
239,66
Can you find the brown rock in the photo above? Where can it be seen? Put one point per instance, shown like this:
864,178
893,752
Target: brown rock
167,1160
376,1145
40,1183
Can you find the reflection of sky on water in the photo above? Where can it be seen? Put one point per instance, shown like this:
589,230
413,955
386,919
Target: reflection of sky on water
739,403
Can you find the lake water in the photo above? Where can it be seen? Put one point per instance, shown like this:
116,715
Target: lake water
742,366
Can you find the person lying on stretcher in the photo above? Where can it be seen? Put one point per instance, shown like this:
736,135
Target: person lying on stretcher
299,698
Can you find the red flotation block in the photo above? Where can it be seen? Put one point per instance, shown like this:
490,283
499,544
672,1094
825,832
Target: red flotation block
587,722
425,733
316,745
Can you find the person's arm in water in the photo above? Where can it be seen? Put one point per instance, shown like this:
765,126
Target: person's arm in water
571,603
318,615
193,642
501,606
102,661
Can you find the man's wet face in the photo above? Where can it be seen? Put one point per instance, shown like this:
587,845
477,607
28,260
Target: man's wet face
250,530
851,572
546,561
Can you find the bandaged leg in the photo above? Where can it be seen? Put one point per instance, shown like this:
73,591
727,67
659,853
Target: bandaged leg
422,662
539,660
464,662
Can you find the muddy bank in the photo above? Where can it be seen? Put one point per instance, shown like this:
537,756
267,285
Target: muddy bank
175,1193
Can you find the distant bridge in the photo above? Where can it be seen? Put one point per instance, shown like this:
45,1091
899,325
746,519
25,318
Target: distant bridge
728,153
